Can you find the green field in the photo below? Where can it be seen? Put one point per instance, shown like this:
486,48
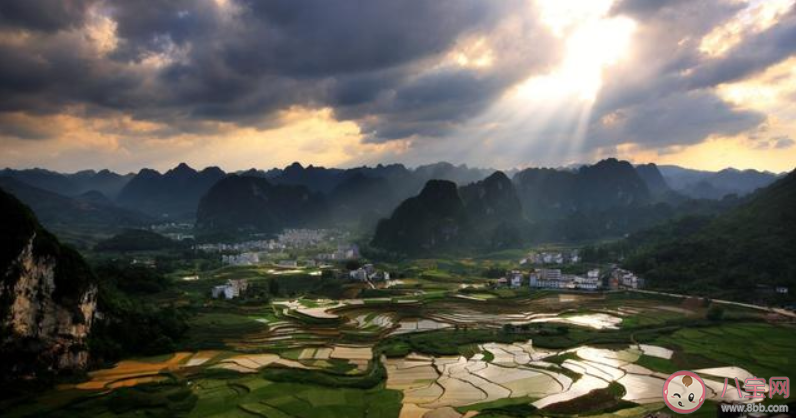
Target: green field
440,308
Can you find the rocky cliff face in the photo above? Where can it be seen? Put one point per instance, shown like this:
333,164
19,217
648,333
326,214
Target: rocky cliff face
47,299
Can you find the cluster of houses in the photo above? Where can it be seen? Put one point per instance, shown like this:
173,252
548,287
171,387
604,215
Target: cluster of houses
240,247
288,239
252,257
146,262
254,252
552,257
231,290
621,278
546,278
303,238
177,231
242,259
554,279
343,253
368,273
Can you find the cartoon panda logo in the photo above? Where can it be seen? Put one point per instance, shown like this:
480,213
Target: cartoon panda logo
684,392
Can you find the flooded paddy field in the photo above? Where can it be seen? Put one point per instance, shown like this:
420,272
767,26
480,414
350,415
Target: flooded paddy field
432,356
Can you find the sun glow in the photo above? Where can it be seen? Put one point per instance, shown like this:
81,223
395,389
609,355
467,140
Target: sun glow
549,114
592,48
592,43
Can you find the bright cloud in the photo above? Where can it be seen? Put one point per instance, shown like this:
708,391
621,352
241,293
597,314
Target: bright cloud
756,17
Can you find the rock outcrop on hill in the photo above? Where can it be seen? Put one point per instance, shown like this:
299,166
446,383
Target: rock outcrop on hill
48,298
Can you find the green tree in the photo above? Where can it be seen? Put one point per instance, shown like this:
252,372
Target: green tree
273,287
715,312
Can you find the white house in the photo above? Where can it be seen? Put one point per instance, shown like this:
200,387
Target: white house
590,282
515,278
627,279
359,274
533,279
242,259
551,279
288,263
232,289
218,291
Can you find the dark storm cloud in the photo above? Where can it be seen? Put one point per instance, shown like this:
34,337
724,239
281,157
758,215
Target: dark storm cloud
322,37
244,62
43,15
677,119
375,62
430,105
307,38
49,73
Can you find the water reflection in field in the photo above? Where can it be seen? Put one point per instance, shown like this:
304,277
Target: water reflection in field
439,385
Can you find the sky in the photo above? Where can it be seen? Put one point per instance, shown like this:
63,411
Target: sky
124,84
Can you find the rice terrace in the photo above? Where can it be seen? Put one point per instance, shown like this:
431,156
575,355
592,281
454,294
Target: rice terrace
431,346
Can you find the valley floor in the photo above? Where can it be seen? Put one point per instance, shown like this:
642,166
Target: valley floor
434,355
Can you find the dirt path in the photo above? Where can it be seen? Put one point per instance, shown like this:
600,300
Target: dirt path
721,301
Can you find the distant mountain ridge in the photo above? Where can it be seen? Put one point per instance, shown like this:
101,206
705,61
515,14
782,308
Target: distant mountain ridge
356,195
324,179
551,194
254,204
715,185
362,199
174,194
610,197
103,181
55,211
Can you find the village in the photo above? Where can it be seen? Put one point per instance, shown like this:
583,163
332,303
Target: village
288,239
547,278
547,270
314,246
543,276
